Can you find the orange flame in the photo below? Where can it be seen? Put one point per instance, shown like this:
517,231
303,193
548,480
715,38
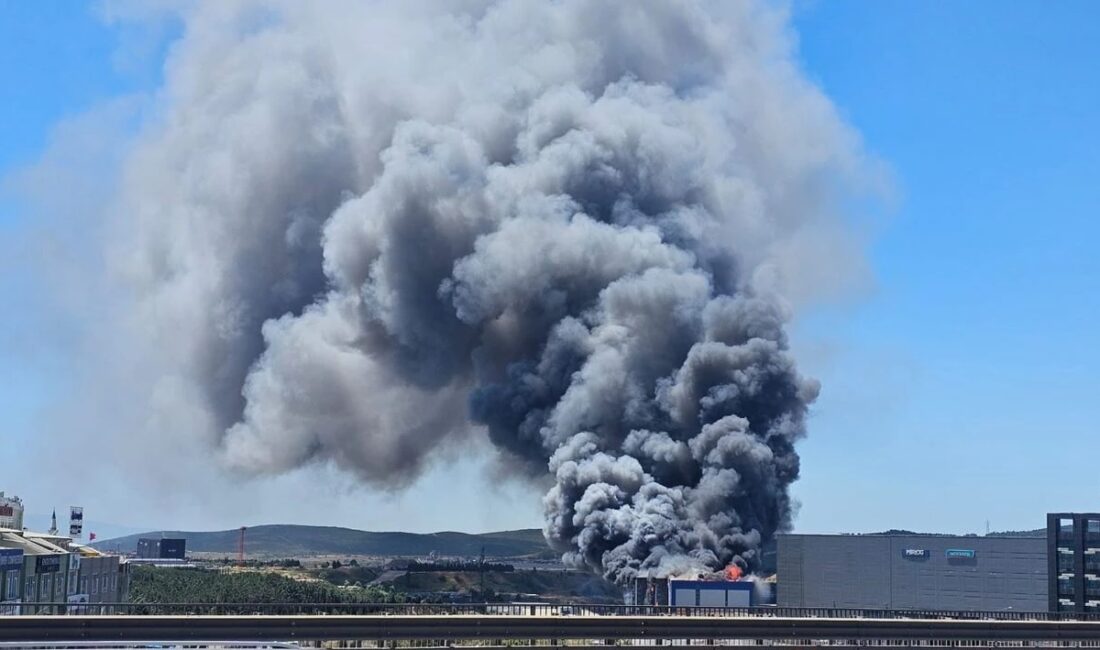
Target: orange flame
734,572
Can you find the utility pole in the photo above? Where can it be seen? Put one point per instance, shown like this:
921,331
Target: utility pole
481,569
240,548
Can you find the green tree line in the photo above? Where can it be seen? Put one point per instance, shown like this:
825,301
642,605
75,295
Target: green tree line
153,585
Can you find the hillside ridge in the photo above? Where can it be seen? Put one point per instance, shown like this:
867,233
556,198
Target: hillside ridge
303,540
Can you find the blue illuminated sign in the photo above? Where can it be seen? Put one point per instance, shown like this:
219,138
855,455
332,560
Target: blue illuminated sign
10,558
960,553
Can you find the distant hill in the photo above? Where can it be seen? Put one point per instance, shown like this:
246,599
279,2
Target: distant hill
288,540
1040,532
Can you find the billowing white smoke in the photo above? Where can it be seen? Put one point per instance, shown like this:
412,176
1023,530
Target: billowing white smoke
357,230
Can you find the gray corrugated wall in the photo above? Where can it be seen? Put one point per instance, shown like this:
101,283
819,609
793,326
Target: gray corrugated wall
871,571
789,563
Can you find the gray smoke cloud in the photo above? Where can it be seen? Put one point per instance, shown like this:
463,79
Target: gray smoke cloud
356,232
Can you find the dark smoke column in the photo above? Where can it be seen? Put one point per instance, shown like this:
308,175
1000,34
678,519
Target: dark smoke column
364,229
667,469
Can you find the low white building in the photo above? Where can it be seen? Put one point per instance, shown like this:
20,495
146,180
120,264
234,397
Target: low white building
58,576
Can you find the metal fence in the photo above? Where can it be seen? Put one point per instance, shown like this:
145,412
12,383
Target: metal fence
528,609
161,645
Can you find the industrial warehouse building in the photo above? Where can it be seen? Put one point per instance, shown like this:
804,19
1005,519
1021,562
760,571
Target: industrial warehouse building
166,548
711,593
913,572
1073,561
674,592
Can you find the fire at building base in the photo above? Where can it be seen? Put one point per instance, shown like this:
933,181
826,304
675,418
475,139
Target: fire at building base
718,590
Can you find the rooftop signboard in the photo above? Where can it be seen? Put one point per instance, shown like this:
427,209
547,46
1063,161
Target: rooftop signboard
10,558
48,564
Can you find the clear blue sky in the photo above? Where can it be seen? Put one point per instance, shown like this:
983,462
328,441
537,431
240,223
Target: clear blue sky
966,386
962,388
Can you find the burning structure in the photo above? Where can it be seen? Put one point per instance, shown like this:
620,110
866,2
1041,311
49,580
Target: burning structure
574,227
727,588
711,593
649,591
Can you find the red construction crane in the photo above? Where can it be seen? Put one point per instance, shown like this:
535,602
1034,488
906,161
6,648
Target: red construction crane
240,548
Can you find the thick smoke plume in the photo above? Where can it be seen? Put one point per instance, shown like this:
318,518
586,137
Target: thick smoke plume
359,230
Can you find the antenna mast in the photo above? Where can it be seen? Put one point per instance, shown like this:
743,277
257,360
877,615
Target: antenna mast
240,547
481,568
